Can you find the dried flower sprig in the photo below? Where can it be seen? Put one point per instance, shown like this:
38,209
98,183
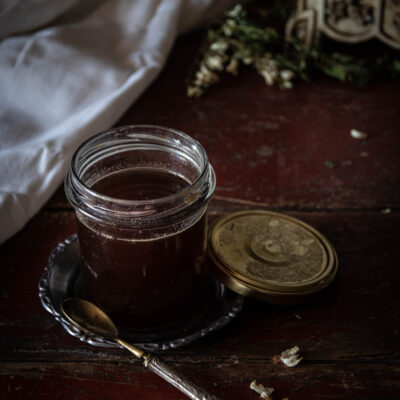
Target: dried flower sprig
251,36
239,41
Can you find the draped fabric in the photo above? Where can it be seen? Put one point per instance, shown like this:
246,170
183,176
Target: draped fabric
70,69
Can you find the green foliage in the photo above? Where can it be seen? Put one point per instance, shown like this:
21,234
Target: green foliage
330,164
252,35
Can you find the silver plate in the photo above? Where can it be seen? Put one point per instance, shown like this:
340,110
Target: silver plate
61,279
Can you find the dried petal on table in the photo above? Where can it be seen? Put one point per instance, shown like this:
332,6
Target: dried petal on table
356,134
263,391
290,357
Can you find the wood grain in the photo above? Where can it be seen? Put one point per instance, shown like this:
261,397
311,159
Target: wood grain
268,148
348,338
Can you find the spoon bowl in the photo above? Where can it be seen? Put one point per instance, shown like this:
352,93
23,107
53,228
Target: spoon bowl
89,318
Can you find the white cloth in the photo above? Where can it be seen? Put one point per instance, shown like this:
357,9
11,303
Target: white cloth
70,69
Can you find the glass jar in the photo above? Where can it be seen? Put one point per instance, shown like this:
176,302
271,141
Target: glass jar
140,194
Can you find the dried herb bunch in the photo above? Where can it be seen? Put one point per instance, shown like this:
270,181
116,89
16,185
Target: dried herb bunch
252,35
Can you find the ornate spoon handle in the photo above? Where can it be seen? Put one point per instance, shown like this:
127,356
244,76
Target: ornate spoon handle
176,379
163,370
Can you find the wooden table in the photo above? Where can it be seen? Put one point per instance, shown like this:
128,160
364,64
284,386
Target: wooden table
269,149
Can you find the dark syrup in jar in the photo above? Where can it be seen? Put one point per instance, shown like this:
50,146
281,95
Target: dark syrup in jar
143,283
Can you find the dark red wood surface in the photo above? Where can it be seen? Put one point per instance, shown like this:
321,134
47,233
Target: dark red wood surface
269,149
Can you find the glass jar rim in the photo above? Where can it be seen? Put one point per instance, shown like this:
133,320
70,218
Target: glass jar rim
135,134
157,200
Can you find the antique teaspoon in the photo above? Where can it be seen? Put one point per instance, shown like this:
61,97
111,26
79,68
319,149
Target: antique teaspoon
89,318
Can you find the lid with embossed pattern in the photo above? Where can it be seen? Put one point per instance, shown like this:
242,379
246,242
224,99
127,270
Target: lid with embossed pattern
271,256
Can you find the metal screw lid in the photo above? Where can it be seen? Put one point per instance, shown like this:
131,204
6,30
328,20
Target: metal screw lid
271,256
